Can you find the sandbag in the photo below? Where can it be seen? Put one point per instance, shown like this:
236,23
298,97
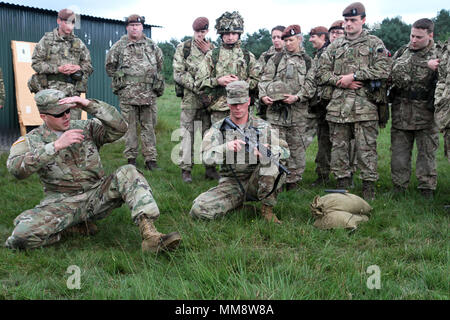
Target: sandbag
339,219
339,202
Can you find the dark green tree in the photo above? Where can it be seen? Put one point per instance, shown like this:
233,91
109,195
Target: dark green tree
168,49
442,25
308,46
394,33
258,42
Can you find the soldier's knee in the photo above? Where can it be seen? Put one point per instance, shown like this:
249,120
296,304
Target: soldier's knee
199,212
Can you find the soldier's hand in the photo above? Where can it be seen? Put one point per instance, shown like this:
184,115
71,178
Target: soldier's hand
355,85
69,69
225,80
290,99
433,64
75,102
235,145
203,45
68,138
345,81
267,100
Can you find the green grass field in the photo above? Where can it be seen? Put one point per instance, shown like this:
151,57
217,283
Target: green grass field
239,256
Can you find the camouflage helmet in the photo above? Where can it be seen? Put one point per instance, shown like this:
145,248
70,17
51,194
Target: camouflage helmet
276,90
230,22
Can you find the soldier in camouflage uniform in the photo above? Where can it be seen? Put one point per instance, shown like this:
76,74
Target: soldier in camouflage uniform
350,65
277,46
412,95
135,65
243,175
61,61
442,97
221,66
2,90
289,116
186,60
65,155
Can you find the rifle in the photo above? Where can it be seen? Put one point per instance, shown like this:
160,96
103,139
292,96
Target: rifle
250,144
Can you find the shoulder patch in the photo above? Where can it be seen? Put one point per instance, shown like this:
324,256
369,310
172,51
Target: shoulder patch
20,140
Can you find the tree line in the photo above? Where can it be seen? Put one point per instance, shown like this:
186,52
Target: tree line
393,31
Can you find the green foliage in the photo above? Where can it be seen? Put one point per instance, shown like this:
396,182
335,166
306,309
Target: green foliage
168,49
442,25
239,256
308,46
258,42
394,33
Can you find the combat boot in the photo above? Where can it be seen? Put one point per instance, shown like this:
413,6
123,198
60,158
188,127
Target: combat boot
344,183
186,176
427,193
321,180
132,161
211,174
87,228
152,165
368,190
154,241
268,214
291,186
399,190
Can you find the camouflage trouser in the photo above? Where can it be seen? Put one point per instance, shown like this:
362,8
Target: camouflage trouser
365,134
402,143
310,131
191,120
69,90
43,224
146,117
323,156
220,200
216,116
295,138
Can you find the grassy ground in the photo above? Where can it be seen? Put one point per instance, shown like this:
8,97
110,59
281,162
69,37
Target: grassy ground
239,256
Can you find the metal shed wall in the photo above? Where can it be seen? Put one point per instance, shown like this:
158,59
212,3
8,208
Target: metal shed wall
22,23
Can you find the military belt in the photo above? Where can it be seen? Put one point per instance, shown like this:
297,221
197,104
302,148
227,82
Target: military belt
60,77
136,79
420,95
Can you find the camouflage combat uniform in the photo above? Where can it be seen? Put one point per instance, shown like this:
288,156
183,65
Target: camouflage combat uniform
351,113
257,179
262,61
2,89
53,51
136,71
229,61
192,110
290,120
442,97
413,117
76,188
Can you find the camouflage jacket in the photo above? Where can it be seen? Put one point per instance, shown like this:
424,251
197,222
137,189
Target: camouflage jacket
442,94
365,56
265,57
75,169
184,72
230,61
2,89
292,70
413,88
136,70
243,163
53,51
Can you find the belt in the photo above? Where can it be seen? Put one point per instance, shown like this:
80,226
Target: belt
414,95
60,77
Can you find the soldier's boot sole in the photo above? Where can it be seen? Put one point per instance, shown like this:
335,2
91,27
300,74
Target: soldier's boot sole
165,242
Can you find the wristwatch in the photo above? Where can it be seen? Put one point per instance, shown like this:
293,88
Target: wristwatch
354,76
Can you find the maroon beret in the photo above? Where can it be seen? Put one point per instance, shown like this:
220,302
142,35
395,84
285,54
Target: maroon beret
339,24
291,31
318,31
355,9
135,18
66,14
200,24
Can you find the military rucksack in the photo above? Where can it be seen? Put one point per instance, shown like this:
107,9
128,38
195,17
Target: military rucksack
187,46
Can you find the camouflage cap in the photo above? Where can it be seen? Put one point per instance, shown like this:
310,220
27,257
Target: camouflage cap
291,31
47,101
339,24
66,14
134,18
237,92
355,9
230,22
200,24
276,90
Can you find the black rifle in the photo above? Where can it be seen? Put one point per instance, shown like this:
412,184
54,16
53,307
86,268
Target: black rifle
250,145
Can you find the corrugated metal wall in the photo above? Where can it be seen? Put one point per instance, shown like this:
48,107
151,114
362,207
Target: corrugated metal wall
29,24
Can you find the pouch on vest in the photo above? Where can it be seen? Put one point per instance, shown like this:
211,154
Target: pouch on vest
37,82
118,81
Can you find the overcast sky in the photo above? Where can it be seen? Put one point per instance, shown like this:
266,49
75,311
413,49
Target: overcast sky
176,16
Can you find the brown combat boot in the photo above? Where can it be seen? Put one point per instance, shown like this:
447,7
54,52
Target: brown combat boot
368,190
427,193
291,186
344,183
186,176
321,180
87,228
268,214
132,161
154,241
152,165
211,174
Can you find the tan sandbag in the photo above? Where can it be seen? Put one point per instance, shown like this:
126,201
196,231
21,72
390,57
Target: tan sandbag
339,219
339,202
